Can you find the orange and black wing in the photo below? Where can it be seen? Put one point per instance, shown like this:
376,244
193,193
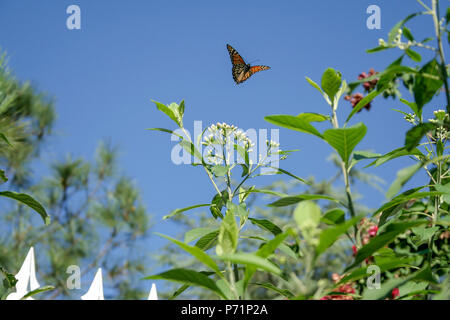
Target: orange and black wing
235,57
241,71
251,71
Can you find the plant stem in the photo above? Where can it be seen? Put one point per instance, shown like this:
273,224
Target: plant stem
345,172
435,13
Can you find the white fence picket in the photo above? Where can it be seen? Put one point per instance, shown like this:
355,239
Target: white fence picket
27,282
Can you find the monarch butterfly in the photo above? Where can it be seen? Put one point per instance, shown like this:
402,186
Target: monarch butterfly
242,71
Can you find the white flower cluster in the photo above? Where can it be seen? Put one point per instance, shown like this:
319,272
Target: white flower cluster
411,118
439,117
222,136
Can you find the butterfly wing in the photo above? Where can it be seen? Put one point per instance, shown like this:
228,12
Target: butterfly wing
241,71
251,71
235,57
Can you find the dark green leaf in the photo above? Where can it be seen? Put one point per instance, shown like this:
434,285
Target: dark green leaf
425,87
415,135
290,200
30,202
189,277
39,290
208,241
383,239
266,225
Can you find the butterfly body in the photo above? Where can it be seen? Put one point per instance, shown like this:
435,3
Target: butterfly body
242,71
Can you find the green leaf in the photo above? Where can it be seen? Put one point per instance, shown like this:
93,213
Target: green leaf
377,49
28,201
413,55
329,236
361,104
196,233
425,87
290,200
445,189
313,117
279,170
39,290
228,234
315,85
333,217
403,176
198,253
413,107
362,272
407,33
266,225
168,111
270,246
404,198
264,252
3,177
389,285
284,292
400,152
293,123
208,241
344,140
220,171
250,259
10,280
178,211
307,214
217,204
5,139
189,277
331,82
394,31
415,134
383,239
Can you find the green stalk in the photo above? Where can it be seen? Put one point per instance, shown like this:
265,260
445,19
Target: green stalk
435,13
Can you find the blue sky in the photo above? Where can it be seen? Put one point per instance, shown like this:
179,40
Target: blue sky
103,77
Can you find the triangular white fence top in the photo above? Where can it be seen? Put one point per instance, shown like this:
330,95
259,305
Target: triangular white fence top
95,291
26,278
27,282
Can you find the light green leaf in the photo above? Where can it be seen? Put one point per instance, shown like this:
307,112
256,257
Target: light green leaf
178,211
361,104
344,140
307,214
228,234
198,253
403,176
293,123
331,82
250,259
329,236
168,111
196,233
